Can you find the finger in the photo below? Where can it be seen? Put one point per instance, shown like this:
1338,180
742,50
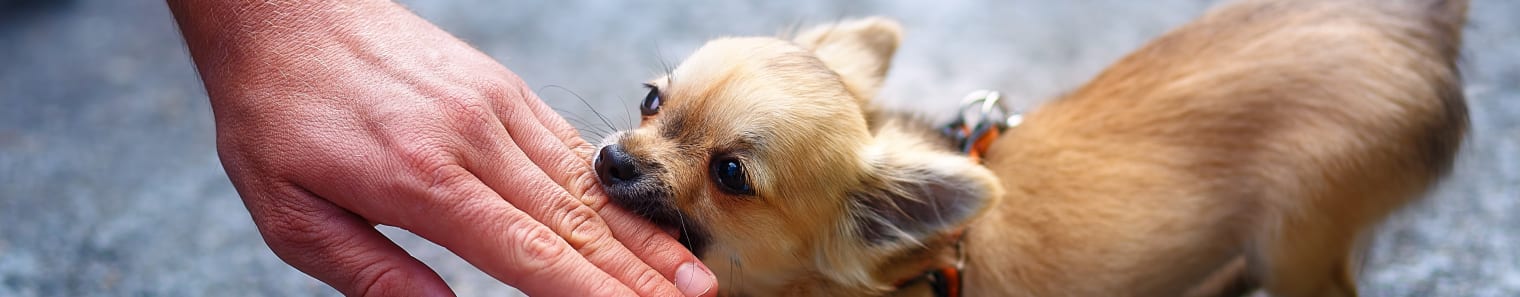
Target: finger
547,139
338,247
456,210
554,122
532,190
573,172
661,251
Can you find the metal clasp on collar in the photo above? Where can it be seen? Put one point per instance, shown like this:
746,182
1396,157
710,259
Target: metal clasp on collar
982,118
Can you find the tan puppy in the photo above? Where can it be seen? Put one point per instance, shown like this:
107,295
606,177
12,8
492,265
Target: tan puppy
1253,146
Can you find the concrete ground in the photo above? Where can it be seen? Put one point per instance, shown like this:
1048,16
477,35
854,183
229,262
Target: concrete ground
110,184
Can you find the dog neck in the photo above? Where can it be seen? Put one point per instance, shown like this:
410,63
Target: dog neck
943,279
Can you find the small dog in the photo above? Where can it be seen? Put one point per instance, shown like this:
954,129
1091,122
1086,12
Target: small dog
1252,147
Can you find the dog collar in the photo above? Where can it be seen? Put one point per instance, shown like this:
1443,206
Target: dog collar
983,117
943,280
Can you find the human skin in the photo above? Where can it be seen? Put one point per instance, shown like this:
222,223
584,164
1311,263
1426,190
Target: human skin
334,116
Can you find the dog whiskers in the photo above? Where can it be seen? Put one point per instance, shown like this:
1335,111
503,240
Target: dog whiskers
738,267
598,114
583,126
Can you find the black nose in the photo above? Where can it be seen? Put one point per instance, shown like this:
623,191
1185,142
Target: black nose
614,166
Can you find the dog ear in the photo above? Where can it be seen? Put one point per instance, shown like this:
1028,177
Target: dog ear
914,196
860,51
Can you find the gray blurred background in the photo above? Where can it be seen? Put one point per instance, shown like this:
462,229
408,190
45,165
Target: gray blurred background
110,184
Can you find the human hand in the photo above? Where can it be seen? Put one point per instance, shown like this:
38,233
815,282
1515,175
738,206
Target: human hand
333,116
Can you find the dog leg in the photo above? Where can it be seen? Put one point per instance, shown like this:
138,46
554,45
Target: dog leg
1307,256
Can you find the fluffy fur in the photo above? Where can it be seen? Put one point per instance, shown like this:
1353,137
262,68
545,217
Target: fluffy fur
1251,147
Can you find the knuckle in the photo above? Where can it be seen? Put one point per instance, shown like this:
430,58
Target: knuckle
465,105
503,100
538,248
470,113
475,121
583,183
502,92
584,226
449,188
581,148
285,232
290,226
377,280
294,240
426,154
659,249
447,180
649,281
654,239
431,162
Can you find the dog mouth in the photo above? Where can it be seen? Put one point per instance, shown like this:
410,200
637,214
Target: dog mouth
635,186
654,205
688,233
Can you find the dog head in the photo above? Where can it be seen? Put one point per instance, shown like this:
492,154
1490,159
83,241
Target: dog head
758,154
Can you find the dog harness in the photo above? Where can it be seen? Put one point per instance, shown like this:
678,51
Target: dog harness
983,118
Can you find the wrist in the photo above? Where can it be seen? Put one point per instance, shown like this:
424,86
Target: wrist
250,51
232,25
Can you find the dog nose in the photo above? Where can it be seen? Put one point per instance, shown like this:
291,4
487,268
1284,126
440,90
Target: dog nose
615,166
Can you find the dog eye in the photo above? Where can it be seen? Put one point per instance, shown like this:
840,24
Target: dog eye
728,173
651,103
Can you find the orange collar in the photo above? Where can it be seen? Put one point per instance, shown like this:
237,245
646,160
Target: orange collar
982,120
974,141
944,280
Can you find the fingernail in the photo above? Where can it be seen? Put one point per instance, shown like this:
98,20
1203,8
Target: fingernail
694,280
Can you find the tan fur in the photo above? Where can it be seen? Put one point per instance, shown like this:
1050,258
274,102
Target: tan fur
1256,144
1278,130
728,91
860,51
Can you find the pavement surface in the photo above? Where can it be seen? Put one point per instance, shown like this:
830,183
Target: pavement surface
110,183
